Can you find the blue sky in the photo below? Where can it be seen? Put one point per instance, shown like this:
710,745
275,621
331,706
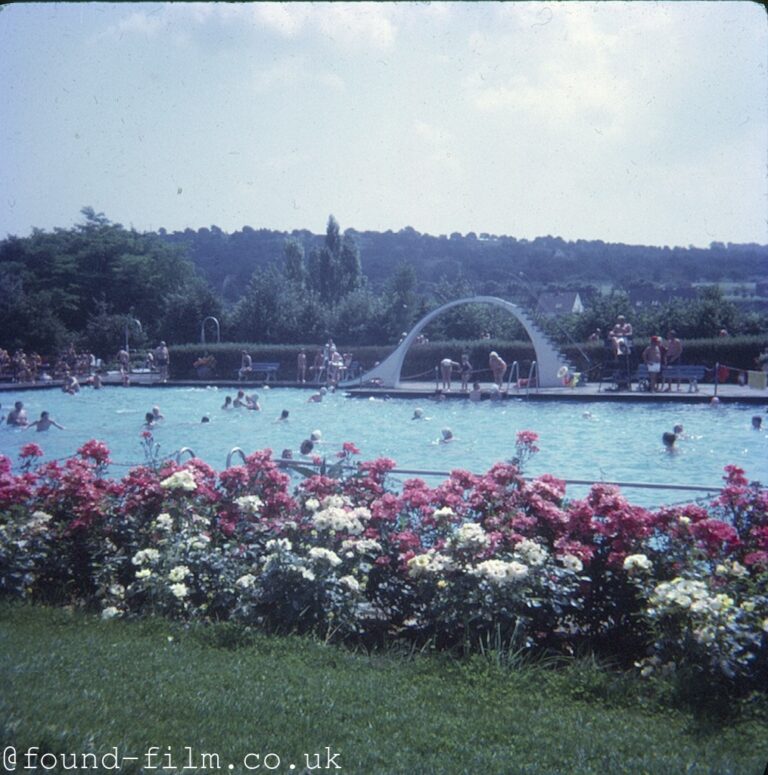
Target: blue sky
632,122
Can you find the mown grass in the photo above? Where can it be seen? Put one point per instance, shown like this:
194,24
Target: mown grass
71,683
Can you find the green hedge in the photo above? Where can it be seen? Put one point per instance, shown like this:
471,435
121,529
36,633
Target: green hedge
738,353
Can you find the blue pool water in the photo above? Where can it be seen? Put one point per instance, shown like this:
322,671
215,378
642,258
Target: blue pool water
615,442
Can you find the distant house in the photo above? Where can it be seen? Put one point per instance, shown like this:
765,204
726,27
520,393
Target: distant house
564,303
650,296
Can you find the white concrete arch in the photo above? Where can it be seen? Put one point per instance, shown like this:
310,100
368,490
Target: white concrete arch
548,359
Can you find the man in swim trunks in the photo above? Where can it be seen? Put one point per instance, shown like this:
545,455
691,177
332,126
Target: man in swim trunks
17,415
671,351
652,359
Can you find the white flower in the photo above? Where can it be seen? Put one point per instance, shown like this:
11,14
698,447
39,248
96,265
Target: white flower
531,552
572,563
38,520
179,590
326,555
198,542
110,612
446,512
164,521
471,536
145,556
500,571
144,573
117,590
279,545
306,573
363,546
246,581
637,562
180,480
312,504
339,519
249,504
739,570
429,563
350,582
179,573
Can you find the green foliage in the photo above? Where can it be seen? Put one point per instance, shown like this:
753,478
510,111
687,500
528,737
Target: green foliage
64,280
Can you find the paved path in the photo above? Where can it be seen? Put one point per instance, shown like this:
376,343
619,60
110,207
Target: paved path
590,392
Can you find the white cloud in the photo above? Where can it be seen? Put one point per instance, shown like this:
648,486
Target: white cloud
350,25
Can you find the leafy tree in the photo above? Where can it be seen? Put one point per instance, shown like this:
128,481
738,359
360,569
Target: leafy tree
293,259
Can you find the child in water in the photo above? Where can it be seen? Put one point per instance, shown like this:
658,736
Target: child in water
44,423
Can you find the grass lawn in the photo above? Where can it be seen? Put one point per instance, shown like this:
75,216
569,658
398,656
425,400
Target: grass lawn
71,684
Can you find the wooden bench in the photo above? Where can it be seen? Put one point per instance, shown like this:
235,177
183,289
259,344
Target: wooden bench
677,372
267,370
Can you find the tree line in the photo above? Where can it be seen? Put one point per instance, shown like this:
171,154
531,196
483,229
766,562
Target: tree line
97,283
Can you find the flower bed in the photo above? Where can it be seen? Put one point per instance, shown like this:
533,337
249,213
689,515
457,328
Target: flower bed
477,562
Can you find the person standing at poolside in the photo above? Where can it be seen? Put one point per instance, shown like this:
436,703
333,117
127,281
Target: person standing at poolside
466,372
652,359
672,349
163,360
124,361
301,366
246,365
498,367
17,415
446,370
44,423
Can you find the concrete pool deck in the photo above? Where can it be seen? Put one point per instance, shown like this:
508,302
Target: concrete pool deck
727,393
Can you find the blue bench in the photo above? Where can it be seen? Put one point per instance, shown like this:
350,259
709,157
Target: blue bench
677,372
268,371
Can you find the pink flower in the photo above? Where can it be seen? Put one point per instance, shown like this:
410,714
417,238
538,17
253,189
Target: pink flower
30,450
528,440
96,451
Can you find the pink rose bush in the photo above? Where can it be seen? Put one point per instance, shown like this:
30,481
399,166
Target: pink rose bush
491,561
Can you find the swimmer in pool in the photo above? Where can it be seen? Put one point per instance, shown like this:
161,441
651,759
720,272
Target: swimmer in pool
316,398
283,416
418,414
17,415
447,436
205,418
306,447
149,420
227,403
44,423
240,400
157,414
475,394
252,402
757,422
669,440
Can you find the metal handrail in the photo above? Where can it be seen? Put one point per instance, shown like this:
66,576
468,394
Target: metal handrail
533,370
232,452
218,329
514,372
181,451
426,472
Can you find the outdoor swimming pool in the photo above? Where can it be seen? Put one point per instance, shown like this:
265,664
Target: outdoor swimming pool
614,442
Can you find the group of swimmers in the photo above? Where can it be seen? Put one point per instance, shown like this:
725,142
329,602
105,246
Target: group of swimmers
18,417
242,401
